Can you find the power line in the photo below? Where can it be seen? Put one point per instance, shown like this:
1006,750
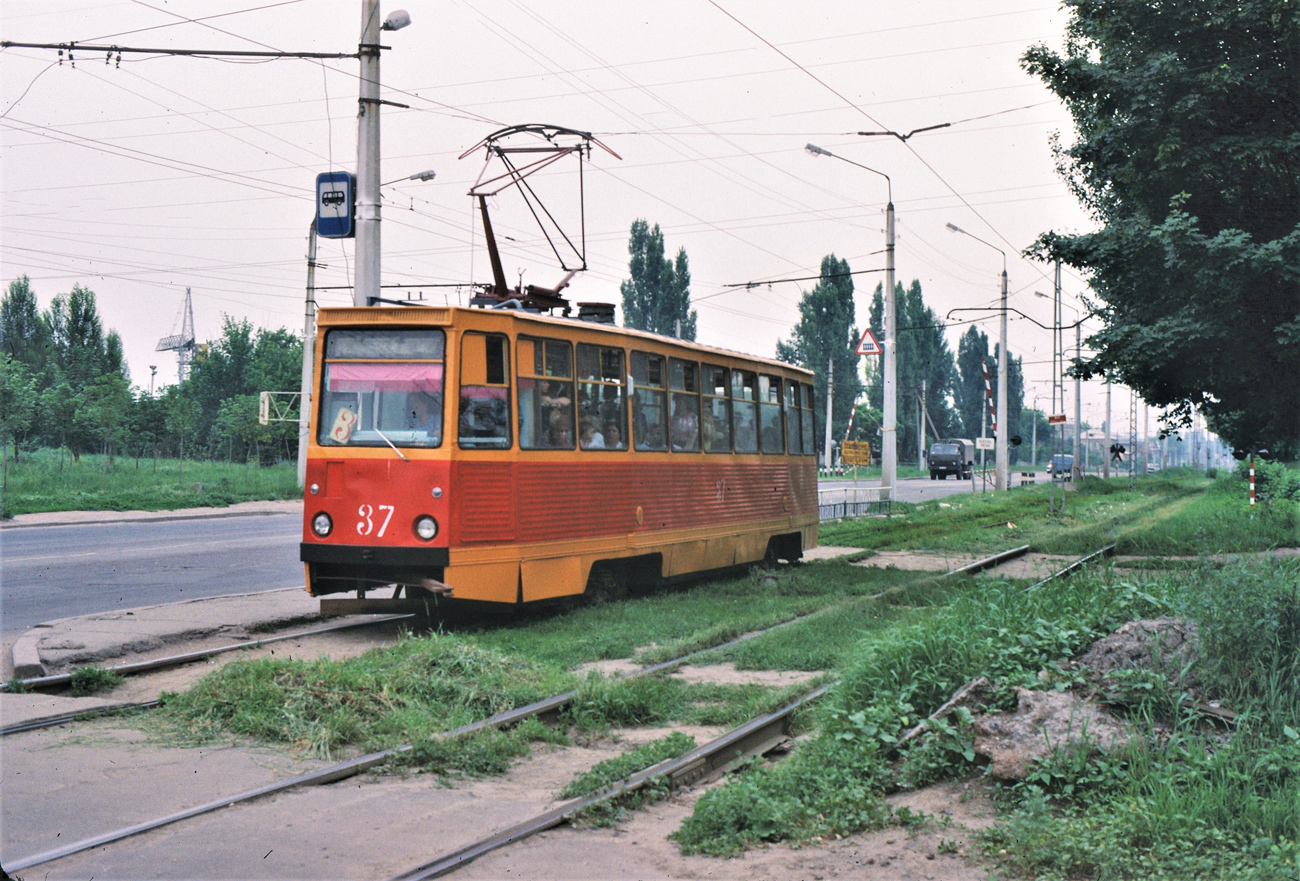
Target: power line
72,48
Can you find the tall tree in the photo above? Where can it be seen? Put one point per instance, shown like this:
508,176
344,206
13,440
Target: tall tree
23,332
657,297
77,335
924,363
825,332
1188,155
18,401
969,389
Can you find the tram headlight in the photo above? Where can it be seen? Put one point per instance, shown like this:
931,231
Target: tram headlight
322,525
426,527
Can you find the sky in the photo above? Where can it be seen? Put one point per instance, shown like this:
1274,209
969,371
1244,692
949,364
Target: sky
143,177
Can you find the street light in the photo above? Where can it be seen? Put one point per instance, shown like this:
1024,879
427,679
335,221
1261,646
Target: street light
1002,458
889,433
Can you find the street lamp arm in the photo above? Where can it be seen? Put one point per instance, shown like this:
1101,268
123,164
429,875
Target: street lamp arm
822,151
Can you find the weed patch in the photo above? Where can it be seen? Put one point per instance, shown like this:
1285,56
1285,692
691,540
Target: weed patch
92,680
611,771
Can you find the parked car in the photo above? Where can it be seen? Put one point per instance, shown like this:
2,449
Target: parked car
953,456
1061,467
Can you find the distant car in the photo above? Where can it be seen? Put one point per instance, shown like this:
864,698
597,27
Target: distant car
1152,468
1061,467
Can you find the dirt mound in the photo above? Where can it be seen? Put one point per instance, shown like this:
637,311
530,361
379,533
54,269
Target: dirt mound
1043,721
1165,645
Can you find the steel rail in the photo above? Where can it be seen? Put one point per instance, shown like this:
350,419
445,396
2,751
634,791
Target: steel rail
705,762
988,562
65,718
138,667
697,764
547,707
700,764
1078,564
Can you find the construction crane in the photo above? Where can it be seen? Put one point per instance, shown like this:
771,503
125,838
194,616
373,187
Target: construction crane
181,343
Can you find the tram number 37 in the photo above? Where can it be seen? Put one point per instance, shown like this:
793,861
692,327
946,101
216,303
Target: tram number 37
366,524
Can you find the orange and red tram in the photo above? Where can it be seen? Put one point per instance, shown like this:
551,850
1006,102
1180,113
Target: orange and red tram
508,456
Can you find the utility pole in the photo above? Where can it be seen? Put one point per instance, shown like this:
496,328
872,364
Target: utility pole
830,395
1146,437
1105,458
308,355
1002,454
889,433
365,289
1078,403
920,428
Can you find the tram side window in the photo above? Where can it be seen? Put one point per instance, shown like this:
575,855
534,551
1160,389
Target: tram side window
684,382
545,386
769,414
382,386
484,392
744,395
649,409
715,422
602,403
807,420
793,439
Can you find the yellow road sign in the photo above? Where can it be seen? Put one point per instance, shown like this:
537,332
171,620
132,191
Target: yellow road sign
855,453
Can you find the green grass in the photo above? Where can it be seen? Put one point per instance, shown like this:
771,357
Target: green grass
37,483
1186,806
1175,512
386,697
92,680
611,771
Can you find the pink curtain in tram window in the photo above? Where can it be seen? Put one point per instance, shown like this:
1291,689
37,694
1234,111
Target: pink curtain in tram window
385,378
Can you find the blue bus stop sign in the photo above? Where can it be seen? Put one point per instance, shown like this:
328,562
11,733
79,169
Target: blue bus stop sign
336,204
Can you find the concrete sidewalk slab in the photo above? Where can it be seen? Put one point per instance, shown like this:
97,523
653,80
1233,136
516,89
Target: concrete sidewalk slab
104,637
79,518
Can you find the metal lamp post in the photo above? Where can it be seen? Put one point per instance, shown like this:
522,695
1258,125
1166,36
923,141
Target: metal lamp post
365,290
1002,457
889,431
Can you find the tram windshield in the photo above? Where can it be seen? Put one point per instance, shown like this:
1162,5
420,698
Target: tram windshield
382,387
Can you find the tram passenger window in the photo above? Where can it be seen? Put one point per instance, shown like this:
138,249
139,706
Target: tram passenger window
744,395
545,386
769,414
382,386
792,418
683,380
484,392
649,409
715,421
602,404
808,416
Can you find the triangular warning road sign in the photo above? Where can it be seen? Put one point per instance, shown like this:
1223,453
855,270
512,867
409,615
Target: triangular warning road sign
869,346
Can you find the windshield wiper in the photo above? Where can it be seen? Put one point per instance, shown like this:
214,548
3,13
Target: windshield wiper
390,443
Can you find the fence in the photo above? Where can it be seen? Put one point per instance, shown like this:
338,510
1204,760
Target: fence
834,504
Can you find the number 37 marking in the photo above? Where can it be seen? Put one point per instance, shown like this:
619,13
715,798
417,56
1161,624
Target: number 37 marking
366,524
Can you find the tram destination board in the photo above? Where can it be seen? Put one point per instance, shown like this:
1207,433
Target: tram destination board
855,453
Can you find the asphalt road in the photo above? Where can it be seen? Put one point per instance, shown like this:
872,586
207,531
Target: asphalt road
49,572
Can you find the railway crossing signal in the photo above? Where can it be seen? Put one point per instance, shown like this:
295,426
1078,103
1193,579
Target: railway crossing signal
868,344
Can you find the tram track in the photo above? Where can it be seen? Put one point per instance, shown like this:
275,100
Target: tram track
710,760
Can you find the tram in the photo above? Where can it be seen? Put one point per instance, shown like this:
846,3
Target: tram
509,456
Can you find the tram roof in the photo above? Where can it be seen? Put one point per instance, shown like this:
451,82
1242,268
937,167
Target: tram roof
441,316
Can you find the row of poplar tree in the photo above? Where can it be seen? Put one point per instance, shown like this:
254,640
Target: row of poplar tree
947,391
64,384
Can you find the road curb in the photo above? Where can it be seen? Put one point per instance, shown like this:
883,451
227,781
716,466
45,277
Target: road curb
96,518
27,659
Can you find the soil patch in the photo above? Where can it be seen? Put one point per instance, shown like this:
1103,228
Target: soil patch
639,848
727,674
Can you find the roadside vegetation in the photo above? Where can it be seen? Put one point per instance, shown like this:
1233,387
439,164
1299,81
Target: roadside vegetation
1178,511
47,480
1188,800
